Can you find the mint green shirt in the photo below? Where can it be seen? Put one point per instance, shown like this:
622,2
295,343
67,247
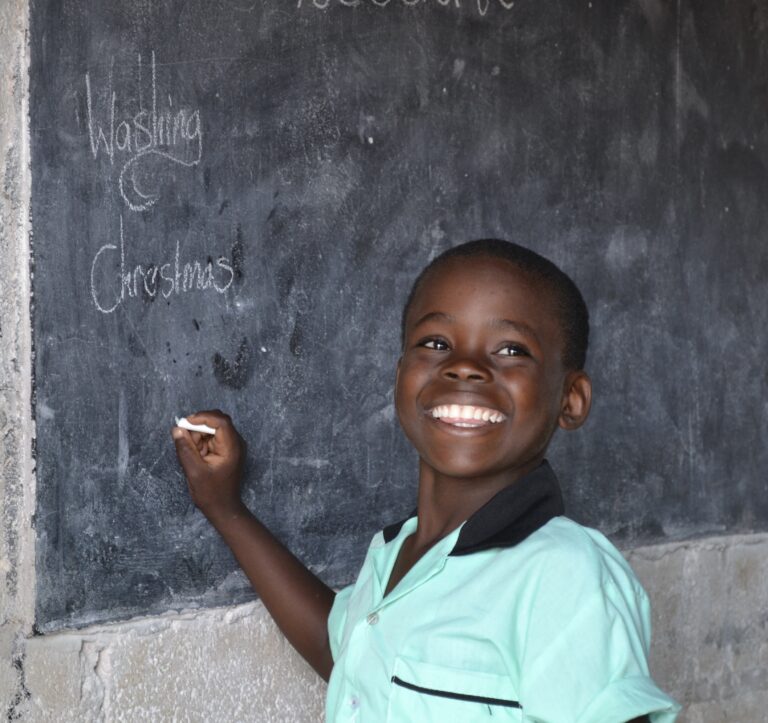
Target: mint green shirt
555,628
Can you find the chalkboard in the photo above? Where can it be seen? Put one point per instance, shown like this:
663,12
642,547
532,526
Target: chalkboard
231,198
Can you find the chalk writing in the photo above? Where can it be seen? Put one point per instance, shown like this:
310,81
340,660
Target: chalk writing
173,134
482,5
114,281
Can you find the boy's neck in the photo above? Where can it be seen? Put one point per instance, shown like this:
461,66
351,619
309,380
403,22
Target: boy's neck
444,503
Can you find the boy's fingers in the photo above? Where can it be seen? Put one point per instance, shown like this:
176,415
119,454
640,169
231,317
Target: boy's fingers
226,439
201,453
186,450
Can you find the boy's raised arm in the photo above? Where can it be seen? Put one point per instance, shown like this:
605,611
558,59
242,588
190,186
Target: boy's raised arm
298,601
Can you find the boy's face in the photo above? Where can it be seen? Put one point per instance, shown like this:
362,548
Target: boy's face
481,386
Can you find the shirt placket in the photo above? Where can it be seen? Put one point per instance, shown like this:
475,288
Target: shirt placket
375,622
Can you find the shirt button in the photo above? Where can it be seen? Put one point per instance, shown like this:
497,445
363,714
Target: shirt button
372,619
354,702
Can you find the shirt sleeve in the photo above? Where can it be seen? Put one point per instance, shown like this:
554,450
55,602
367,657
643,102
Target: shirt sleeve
337,618
586,645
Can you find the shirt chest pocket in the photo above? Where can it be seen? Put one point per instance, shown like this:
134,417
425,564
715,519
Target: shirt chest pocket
425,692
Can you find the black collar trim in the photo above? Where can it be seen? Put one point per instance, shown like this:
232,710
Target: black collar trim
510,516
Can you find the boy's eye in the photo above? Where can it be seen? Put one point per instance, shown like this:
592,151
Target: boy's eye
436,344
513,350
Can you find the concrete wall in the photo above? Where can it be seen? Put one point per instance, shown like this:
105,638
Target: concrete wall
710,596
16,474
710,619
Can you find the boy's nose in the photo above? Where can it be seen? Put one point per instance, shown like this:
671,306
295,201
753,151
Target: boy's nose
466,369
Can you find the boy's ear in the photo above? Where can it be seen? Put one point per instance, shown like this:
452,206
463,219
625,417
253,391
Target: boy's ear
577,400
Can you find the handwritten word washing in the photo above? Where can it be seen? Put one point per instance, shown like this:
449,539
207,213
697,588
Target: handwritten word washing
482,5
115,282
131,135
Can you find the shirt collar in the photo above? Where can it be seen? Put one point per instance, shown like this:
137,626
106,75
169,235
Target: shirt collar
510,516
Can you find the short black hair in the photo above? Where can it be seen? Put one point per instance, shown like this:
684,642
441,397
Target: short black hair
574,316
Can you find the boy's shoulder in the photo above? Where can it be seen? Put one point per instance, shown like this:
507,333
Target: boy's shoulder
566,550
563,534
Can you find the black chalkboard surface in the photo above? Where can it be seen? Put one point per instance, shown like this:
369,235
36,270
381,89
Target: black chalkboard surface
231,199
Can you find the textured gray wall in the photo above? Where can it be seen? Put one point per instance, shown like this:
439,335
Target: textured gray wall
16,429
710,596
710,619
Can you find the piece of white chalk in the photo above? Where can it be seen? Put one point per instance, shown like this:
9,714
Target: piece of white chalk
184,423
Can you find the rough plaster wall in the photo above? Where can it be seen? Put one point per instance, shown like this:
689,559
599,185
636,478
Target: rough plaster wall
710,608
710,596
15,362
219,665
710,651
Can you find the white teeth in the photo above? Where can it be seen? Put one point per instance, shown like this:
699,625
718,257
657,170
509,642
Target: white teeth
468,413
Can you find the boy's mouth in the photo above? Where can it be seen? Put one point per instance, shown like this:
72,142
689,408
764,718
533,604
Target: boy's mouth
466,415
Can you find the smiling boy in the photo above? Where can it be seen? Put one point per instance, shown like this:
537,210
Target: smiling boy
487,603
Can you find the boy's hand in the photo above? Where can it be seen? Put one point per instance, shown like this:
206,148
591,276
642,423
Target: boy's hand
212,464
